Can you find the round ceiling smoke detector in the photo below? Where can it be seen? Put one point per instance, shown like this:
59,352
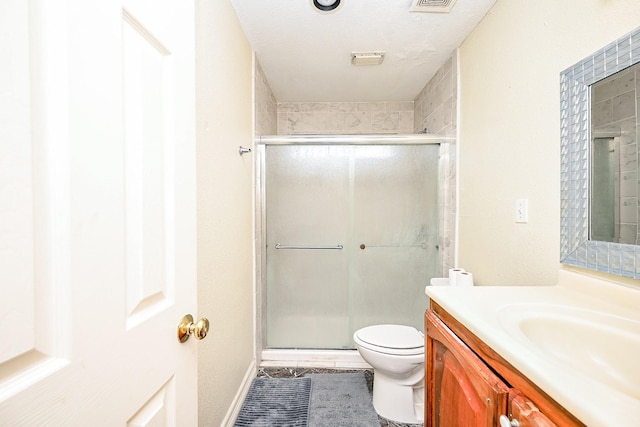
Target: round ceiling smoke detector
326,5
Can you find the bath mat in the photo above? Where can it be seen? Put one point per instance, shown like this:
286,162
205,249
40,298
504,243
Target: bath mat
341,400
276,402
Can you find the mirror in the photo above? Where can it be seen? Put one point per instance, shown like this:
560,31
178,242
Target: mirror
590,237
613,211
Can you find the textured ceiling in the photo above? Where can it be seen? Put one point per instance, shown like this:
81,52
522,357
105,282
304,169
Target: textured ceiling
306,54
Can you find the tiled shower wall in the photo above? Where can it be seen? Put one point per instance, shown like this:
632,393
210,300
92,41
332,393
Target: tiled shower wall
436,111
345,117
265,104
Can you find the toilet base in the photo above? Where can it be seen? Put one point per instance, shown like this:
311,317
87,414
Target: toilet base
397,402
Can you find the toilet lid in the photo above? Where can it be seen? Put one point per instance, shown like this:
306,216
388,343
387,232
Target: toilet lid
392,336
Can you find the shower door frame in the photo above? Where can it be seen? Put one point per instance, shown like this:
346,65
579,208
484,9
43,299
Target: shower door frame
292,357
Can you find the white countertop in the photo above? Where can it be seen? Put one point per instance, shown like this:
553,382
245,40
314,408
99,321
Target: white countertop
482,310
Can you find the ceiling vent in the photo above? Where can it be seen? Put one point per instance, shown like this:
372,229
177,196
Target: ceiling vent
439,6
367,58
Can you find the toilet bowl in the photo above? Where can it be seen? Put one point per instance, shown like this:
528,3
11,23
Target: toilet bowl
396,353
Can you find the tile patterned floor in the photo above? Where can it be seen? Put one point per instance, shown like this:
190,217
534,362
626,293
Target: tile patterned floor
300,372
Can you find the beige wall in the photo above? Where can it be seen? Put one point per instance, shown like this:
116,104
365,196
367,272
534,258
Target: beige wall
225,208
509,140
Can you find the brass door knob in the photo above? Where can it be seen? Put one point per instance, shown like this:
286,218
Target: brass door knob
186,327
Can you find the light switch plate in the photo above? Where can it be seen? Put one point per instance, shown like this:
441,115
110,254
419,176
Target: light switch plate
522,211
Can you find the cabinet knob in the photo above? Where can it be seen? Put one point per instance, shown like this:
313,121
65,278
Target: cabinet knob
506,422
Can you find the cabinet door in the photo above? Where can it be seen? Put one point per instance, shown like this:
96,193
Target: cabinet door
525,412
461,389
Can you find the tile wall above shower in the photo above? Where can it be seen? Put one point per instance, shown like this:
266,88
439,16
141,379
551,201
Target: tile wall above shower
345,117
266,107
436,111
436,104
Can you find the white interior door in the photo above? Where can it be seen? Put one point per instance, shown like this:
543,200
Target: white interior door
97,213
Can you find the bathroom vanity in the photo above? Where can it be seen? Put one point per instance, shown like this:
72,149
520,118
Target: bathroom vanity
469,384
563,355
542,356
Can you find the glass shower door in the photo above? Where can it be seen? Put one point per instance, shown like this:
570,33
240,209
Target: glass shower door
351,236
395,233
307,192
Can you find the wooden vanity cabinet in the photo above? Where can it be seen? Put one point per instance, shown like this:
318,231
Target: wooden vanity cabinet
468,384
462,391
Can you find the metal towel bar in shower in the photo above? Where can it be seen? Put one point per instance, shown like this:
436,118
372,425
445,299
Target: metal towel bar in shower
279,246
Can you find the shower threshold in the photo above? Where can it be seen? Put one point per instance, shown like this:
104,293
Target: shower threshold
294,358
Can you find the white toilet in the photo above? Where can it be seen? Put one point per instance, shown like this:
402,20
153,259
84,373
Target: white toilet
396,353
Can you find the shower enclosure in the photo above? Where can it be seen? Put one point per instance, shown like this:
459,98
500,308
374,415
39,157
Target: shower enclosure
350,235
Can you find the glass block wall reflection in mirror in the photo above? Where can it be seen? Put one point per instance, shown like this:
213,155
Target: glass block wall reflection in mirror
575,130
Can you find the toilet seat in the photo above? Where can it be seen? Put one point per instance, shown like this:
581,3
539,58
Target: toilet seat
391,339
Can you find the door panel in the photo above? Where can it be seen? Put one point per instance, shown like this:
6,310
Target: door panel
16,189
307,206
101,207
148,126
466,391
160,410
396,220
33,337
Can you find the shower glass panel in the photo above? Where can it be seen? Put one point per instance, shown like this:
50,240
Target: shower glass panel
351,239
395,211
307,205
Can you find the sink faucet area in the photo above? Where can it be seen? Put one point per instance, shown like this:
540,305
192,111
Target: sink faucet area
578,341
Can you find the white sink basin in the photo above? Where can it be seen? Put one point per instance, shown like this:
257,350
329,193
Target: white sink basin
602,346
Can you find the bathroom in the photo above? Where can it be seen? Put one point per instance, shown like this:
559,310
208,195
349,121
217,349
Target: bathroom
507,148
508,129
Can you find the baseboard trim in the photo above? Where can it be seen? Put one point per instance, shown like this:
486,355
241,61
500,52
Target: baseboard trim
234,409
332,359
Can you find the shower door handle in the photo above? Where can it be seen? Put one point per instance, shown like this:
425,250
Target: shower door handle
279,246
